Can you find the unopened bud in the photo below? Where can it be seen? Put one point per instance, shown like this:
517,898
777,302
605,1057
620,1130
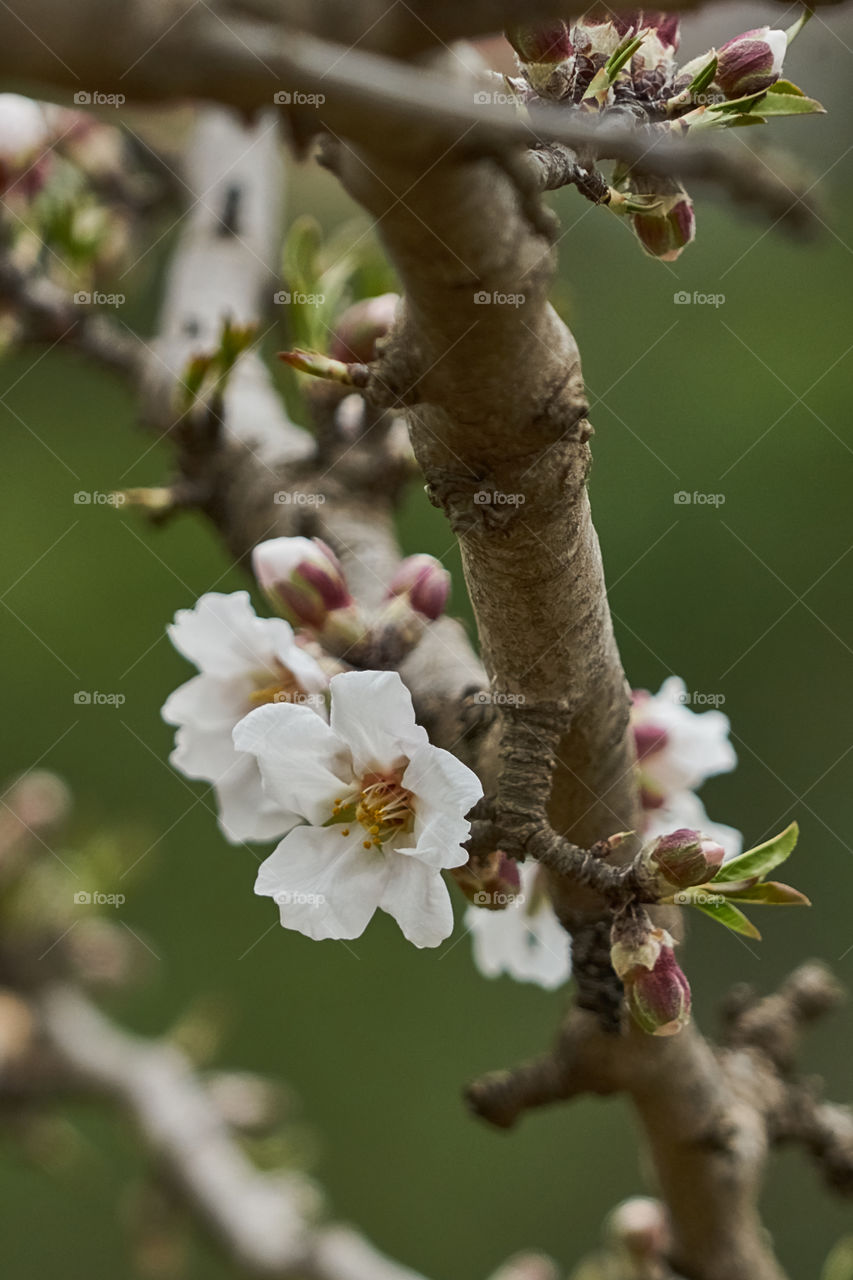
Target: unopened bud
686,858
359,328
666,230
547,55
656,991
639,1227
549,42
303,580
750,62
424,582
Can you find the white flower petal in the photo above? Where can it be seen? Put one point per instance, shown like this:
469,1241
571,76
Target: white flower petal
525,941
245,812
697,744
417,897
304,765
209,703
326,885
372,712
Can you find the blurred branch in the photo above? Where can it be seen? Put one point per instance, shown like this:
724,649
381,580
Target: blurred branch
240,55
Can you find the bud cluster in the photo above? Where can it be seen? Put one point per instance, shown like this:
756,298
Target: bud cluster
657,993
305,583
626,62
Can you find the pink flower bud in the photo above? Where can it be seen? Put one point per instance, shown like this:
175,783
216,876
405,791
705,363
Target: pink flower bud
361,326
686,858
665,231
649,738
425,582
549,43
302,578
656,991
750,62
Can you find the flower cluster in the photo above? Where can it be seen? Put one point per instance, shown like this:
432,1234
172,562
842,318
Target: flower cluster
626,64
328,760
677,749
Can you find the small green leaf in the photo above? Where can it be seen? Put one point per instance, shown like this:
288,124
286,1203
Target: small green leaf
770,893
756,863
734,919
704,77
788,103
787,86
796,27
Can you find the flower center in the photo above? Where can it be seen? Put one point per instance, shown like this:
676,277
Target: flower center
283,687
382,806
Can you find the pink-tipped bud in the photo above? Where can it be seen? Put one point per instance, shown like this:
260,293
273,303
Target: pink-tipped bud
686,858
550,43
424,582
640,1228
750,62
656,991
666,230
648,739
359,328
303,580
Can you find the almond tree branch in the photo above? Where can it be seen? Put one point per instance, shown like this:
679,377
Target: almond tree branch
229,54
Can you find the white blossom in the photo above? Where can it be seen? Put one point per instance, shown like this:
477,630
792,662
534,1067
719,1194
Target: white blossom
678,748
525,940
244,661
383,811
24,127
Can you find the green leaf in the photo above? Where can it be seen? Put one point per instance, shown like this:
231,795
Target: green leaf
757,862
724,913
789,102
769,893
704,77
605,76
796,27
787,86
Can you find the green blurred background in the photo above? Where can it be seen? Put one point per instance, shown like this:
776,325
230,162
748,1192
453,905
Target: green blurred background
749,598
